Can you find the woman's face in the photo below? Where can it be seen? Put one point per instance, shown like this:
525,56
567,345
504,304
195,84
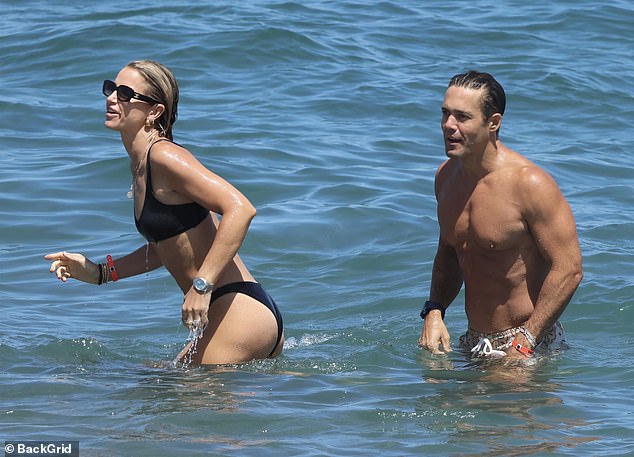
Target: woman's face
128,116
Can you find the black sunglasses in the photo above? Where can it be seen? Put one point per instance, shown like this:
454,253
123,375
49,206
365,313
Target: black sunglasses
124,93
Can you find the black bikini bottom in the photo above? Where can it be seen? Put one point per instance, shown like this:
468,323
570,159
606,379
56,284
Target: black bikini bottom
257,292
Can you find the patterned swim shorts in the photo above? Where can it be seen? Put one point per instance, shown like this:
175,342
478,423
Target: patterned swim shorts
554,339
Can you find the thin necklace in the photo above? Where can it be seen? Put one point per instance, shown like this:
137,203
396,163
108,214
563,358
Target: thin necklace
135,175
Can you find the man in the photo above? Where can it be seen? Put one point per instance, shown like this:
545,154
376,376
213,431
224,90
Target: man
506,231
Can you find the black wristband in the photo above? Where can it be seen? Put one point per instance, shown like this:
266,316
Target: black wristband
429,305
100,282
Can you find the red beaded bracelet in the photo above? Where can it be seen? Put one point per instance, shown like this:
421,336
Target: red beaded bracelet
112,269
522,349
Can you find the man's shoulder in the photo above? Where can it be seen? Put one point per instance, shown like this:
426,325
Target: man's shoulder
524,172
446,168
445,174
536,189
531,176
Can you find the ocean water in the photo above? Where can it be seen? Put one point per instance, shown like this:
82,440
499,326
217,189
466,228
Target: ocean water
326,114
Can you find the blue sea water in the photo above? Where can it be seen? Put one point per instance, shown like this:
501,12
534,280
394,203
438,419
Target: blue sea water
326,114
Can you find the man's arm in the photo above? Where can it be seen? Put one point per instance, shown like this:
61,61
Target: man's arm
446,281
552,225
446,276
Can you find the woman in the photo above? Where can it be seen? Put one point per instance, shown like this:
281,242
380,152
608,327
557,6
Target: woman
175,198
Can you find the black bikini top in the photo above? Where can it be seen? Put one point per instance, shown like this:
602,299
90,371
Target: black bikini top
159,221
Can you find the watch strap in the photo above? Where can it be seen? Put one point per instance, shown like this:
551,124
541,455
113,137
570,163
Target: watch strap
522,349
430,305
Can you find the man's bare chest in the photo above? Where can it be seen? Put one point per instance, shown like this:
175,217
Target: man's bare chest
486,219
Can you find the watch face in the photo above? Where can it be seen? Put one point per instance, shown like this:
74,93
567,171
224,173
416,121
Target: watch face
200,284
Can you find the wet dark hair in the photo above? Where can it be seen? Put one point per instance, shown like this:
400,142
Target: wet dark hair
493,96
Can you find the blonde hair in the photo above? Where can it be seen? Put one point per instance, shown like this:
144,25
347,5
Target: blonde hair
162,87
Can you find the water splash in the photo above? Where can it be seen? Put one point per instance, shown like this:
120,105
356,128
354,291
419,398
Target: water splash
305,341
184,358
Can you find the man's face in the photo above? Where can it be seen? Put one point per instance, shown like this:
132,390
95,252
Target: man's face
464,127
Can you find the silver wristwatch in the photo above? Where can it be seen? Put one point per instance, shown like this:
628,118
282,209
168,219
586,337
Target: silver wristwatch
202,286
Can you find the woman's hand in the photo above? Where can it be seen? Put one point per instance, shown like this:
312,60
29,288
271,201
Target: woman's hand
68,265
195,308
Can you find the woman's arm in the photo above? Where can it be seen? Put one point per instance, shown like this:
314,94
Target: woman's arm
144,259
180,172
177,171
67,265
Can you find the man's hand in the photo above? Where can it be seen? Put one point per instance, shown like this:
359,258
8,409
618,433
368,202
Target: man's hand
434,334
513,353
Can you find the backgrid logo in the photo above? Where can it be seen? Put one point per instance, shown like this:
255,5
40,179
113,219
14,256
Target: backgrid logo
41,448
